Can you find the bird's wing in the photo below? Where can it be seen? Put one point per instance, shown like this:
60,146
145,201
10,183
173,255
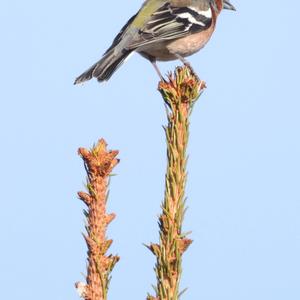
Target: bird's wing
170,22
130,30
121,34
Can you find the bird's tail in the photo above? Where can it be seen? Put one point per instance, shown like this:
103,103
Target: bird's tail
105,67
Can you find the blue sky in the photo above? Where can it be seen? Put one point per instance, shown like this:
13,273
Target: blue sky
244,166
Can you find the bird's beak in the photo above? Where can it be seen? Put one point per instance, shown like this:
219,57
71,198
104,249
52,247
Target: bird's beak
228,5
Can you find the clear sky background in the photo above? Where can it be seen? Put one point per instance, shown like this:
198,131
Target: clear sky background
244,167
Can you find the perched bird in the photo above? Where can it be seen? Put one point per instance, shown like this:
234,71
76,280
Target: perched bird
161,30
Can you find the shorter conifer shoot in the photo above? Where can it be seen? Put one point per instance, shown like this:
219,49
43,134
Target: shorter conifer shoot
98,163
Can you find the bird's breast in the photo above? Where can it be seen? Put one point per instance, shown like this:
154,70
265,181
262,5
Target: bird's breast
190,44
185,46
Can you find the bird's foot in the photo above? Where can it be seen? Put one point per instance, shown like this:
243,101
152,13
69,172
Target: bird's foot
188,65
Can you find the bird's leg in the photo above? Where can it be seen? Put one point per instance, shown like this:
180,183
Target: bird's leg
153,62
157,70
186,63
183,60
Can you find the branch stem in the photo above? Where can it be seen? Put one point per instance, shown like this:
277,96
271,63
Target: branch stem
179,93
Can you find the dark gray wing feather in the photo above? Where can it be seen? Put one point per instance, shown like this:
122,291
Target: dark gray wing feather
120,35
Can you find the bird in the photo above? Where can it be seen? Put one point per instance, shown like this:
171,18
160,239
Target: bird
162,30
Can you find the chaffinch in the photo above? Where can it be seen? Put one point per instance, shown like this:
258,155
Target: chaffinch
161,30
